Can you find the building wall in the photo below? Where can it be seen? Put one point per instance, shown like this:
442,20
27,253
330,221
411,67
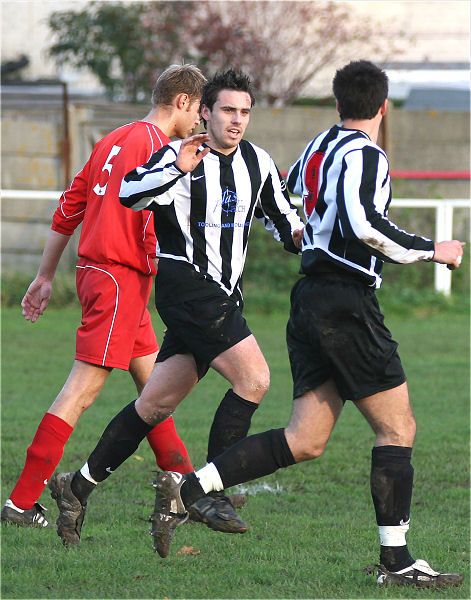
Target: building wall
32,157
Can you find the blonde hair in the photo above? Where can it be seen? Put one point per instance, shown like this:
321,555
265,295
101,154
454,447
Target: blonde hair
178,79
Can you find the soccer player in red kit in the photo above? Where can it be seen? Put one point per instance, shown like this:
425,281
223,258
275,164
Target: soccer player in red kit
117,250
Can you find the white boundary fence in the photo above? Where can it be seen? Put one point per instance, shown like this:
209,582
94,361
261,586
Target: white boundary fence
443,220
443,229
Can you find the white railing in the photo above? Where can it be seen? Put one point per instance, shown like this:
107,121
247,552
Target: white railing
443,229
443,220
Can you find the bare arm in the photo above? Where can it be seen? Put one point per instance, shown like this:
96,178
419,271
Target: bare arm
38,293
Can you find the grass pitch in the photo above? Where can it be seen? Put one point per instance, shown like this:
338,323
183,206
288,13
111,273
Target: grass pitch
312,526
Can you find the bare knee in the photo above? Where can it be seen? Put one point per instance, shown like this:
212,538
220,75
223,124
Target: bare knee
155,415
83,385
169,382
260,382
304,449
411,431
397,434
254,385
255,381
154,411
308,452
70,405
246,368
390,415
154,406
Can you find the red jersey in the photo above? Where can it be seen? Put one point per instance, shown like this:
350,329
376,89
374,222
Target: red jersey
112,233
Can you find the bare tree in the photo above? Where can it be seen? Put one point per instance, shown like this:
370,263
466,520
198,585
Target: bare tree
282,44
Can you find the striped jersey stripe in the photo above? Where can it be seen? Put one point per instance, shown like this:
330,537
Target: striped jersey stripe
204,217
349,225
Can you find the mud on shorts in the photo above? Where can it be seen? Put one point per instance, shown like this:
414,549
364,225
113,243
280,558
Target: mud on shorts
204,327
336,330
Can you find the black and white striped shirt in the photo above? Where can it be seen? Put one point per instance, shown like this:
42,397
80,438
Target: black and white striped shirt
344,180
203,218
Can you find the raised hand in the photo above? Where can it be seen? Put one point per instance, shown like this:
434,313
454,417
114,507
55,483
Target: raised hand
189,155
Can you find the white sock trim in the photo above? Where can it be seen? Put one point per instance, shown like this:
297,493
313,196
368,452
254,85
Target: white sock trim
86,473
10,504
209,478
393,535
420,565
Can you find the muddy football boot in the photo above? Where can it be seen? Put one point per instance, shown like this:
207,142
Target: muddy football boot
31,517
420,574
169,510
71,511
217,512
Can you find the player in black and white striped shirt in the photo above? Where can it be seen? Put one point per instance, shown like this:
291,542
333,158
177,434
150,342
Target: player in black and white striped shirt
343,178
342,350
338,345
205,193
204,201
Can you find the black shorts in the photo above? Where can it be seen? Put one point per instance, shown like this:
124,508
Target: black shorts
204,327
336,330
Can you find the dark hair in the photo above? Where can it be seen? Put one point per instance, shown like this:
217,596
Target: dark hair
360,89
226,80
175,80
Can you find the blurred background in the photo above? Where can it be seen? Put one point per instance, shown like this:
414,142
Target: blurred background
74,70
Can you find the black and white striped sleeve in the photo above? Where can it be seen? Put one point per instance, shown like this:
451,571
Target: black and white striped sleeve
276,211
294,179
153,181
363,196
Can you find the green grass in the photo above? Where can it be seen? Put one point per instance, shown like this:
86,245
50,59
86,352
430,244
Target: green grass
309,537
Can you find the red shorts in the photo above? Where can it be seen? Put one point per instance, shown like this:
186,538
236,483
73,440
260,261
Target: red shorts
116,325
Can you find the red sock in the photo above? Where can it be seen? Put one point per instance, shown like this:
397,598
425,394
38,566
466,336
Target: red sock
42,457
170,452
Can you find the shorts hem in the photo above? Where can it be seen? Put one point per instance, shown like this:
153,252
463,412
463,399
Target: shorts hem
230,345
377,390
309,388
99,363
146,352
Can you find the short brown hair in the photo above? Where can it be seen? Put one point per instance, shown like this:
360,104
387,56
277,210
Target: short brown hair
178,79
360,88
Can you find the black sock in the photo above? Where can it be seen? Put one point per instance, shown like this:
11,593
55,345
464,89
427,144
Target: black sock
118,442
253,457
191,490
391,483
395,558
81,487
231,423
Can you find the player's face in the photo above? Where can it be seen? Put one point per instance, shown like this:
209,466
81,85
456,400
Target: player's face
189,119
227,121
